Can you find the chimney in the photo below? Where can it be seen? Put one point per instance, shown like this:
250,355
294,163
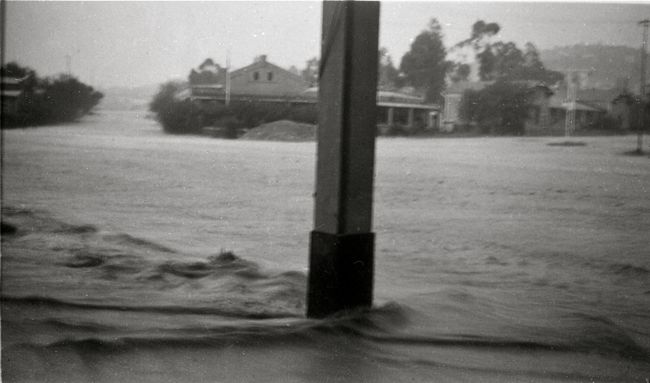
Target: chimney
260,59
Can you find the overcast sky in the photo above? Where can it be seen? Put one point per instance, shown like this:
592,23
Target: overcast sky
138,43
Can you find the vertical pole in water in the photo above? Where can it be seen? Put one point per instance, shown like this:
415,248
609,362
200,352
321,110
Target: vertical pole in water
642,89
228,77
342,244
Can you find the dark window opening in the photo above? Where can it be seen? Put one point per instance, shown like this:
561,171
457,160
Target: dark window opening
269,76
256,76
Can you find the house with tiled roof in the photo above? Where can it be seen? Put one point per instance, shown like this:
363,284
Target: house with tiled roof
590,106
453,97
12,90
407,111
265,82
539,114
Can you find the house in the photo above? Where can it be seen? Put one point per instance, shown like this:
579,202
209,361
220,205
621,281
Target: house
409,111
265,82
260,81
453,96
12,90
539,114
589,108
626,111
205,83
398,109
549,107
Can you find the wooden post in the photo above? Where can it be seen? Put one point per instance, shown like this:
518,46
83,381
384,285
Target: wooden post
342,243
642,88
411,118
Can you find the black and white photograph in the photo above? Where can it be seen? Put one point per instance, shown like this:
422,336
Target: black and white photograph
325,191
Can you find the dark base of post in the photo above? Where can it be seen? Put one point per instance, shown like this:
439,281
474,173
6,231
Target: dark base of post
340,273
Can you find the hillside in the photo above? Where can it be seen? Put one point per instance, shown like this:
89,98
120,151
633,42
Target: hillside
610,66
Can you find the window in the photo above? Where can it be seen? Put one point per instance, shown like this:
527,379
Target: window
256,76
269,76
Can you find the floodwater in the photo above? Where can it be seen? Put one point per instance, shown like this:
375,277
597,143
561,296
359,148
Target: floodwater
144,257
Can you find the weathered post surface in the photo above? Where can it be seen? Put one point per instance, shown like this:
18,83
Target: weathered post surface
342,242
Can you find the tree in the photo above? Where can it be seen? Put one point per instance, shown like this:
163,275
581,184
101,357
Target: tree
175,116
68,98
424,65
208,73
388,75
501,108
311,71
533,68
48,100
480,35
165,96
460,72
504,60
480,41
509,60
15,70
294,70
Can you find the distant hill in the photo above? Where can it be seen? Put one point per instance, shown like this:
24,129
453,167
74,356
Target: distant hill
611,66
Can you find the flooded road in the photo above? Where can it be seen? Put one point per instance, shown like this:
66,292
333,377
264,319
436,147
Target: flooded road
140,256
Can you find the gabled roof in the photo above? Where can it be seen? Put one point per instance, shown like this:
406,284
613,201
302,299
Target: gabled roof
594,94
558,101
386,98
7,80
262,63
208,63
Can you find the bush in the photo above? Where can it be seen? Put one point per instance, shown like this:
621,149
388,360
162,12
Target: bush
500,108
606,122
48,100
175,116
185,117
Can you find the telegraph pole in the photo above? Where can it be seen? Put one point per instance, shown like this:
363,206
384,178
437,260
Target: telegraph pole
572,93
341,260
642,90
228,77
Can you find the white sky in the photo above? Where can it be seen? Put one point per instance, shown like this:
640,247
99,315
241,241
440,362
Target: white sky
138,43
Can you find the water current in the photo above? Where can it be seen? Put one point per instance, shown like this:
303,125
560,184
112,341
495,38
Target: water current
129,255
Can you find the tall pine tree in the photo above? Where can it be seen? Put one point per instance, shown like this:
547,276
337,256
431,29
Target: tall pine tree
424,66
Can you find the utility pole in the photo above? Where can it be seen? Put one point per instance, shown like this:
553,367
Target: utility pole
642,90
341,260
572,94
228,77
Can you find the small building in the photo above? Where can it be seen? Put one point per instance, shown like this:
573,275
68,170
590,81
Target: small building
406,111
265,82
587,112
12,90
626,111
453,97
409,111
538,116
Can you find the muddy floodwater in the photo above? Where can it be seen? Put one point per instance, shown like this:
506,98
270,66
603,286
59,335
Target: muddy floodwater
129,255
